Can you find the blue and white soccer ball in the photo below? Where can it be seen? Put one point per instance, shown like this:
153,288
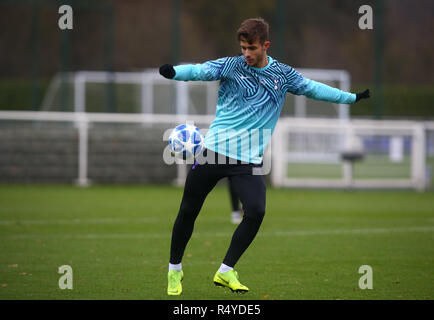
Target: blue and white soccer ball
186,141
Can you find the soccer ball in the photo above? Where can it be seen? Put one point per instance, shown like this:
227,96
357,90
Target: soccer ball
186,141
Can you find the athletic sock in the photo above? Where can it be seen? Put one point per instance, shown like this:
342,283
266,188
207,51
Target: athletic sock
225,268
177,267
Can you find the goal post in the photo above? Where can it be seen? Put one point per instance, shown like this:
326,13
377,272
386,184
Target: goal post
331,153
148,92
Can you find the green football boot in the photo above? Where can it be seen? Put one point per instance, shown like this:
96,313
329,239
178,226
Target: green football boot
174,287
230,280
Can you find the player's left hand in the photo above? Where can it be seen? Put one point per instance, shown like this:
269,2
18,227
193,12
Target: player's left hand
362,95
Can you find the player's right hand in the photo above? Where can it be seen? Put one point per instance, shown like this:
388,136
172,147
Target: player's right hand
167,71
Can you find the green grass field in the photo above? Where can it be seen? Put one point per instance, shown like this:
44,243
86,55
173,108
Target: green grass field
310,246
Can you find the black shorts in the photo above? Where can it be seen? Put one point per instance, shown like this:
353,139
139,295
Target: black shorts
202,178
211,157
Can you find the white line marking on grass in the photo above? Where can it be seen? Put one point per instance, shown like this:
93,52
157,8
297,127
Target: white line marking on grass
79,221
165,235
202,219
353,231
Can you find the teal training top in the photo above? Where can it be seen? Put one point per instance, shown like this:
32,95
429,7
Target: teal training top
250,100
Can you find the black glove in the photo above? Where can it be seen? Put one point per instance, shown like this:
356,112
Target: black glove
167,71
362,95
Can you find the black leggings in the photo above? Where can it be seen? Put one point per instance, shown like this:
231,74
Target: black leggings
235,200
201,179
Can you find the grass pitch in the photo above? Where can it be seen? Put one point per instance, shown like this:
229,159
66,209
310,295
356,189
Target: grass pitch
310,245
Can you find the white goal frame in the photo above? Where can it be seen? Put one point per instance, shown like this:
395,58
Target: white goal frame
348,129
149,77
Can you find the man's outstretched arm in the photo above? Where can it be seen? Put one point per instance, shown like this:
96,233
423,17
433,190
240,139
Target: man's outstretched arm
208,71
184,72
320,91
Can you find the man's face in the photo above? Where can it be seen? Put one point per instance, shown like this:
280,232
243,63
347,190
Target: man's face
254,53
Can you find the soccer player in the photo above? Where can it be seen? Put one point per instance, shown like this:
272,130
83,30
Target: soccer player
252,90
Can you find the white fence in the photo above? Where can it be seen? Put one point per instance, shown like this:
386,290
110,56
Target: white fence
304,152
83,120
